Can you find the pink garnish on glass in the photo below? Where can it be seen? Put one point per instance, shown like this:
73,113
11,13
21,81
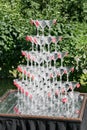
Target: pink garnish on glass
26,93
14,82
31,22
19,69
49,94
27,38
54,40
64,100
31,39
77,111
23,53
66,54
65,71
28,74
51,75
37,24
70,87
25,72
60,38
33,58
30,96
17,85
28,56
16,110
78,85
54,21
52,57
72,69
59,55
56,92
58,74
22,90
33,77
63,90
35,40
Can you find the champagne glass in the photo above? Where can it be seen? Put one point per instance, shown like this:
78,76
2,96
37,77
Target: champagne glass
67,71
27,56
37,24
55,40
47,59
43,25
61,56
49,23
48,41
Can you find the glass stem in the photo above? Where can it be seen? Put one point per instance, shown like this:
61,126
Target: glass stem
67,77
49,31
61,62
22,76
42,31
37,31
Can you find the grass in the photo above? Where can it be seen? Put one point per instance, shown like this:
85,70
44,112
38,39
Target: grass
83,89
5,85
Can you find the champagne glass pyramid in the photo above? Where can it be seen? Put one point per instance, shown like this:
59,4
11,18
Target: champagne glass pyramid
39,90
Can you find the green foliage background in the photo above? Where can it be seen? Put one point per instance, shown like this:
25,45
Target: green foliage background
71,16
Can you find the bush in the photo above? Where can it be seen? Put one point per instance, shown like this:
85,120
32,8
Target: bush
14,26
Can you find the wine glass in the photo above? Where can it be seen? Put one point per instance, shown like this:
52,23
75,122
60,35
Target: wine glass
37,24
